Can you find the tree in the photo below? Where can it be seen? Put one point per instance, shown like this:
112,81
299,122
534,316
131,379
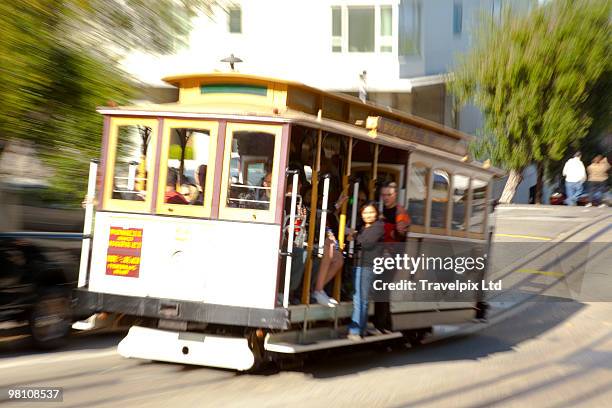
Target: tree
540,81
59,61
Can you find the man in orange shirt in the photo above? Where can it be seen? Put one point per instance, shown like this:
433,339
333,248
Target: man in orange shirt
397,222
397,219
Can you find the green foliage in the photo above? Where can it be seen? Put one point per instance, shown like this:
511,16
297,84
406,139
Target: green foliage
58,62
541,79
175,152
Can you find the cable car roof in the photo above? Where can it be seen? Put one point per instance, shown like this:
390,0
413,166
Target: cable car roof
306,97
236,96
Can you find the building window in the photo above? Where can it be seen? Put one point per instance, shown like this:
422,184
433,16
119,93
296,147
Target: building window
336,29
361,29
409,27
386,29
235,19
457,17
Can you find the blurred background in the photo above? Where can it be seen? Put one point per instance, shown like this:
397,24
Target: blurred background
531,79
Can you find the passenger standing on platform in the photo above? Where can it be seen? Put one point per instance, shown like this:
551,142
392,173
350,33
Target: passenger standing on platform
397,222
332,262
200,179
368,242
575,176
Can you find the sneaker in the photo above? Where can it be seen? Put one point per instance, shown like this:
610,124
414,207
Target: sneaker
354,337
602,205
332,301
321,298
588,205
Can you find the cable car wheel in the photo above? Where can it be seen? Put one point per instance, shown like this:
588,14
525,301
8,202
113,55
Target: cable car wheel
415,337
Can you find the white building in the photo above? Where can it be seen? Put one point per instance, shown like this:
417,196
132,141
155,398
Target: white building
406,48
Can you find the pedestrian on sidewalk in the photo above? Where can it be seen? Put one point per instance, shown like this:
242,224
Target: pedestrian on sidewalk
575,176
598,179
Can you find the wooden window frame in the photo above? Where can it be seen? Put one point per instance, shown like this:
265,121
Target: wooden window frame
427,215
202,211
249,214
114,204
460,233
439,230
487,185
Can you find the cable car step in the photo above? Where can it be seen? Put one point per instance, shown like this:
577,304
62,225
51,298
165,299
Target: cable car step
187,348
300,313
318,339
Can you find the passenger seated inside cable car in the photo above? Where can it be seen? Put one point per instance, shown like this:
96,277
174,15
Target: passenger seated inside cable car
190,191
172,196
263,193
332,261
187,158
252,155
200,179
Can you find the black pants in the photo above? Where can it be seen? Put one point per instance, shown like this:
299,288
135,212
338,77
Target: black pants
382,316
382,306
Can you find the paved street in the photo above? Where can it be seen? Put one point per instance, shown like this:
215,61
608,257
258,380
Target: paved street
540,347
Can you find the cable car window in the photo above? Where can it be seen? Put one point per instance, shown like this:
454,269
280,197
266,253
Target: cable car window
461,188
439,198
479,203
250,184
187,166
133,162
417,193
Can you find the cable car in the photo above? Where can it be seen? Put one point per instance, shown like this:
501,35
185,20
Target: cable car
210,216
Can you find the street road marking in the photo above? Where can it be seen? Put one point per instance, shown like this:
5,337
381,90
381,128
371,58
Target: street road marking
537,272
524,236
60,358
517,207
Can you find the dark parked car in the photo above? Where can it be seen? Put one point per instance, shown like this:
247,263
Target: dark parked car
34,289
